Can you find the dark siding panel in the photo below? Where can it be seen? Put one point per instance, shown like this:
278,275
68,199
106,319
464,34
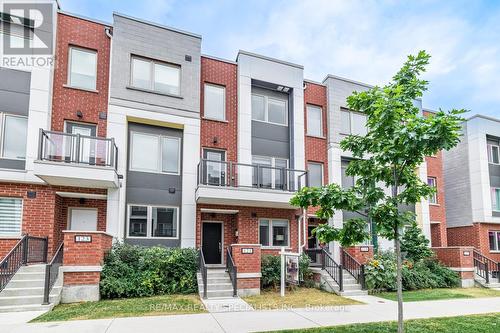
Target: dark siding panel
14,91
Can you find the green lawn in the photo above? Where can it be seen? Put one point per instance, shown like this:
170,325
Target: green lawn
466,324
297,298
435,294
127,307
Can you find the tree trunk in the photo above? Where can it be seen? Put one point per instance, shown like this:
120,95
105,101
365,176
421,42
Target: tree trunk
399,283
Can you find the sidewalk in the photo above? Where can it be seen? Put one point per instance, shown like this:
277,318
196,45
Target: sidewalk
251,321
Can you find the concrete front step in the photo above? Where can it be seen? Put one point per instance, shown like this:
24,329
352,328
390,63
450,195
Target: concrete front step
25,300
22,308
26,283
21,275
36,291
217,293
219,286
33,269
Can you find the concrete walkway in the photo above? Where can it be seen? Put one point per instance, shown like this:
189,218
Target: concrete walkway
251,321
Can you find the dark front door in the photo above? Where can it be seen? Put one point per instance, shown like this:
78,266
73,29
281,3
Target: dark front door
212,242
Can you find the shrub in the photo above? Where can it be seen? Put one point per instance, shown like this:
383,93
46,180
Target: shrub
134,271
271,271
414,244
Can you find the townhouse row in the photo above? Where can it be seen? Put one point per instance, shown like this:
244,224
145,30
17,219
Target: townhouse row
134,133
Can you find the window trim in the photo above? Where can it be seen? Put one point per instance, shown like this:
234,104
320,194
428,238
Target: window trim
149,215
497,209
490,153
159,169
435,194
3,123
224,116
82,49
270,233
322,170
496,233
322,134
17,235
152,62
266,109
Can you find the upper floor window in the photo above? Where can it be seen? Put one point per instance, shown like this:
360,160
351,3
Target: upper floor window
82,71
432,182
270,110
152,221
314,121
315,171
154,153
156,76
11,210
495,199
352,123
214,102
494,238
14,132
493,154
270,172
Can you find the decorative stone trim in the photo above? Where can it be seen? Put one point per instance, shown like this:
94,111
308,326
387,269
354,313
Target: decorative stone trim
248,275
78,269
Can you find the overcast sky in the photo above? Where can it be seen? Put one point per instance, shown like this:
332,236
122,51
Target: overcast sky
363,40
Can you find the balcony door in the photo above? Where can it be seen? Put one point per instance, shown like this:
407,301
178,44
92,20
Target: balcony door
269,172
83,151
215,167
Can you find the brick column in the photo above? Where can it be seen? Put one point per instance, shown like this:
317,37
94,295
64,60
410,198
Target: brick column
459,259
247,258
83,257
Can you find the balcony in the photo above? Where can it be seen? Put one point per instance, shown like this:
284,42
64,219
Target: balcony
239,184
76,160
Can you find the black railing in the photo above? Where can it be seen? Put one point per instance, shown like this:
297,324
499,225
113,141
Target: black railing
76,148
232,174
333,269
354,267
315,255
28,250
202,266
52,272
485,267
232,270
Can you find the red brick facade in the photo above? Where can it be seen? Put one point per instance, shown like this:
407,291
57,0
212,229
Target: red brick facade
362,253
460,258
247,264
81,278
66,101
220,134
475,235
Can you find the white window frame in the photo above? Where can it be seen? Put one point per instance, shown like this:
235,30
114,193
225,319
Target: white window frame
3,123
434,195
70,64
322,171
490,153
149,216
205,101
20,220
494,189
159,167
152,62
497,243
273,165
270,233
266,110
321,134
351,112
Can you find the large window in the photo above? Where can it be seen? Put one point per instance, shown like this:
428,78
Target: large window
432,182
315,172
314,121
493,153
352,123
270,173
156,76
274,232
214,102
82,71
494,238
152,221
11,210
495,199
270,110
154,153
14,136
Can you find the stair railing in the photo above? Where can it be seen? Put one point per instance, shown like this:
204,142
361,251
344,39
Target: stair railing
27,250
52,272
202,266
232,271
484,266
333,269
354,267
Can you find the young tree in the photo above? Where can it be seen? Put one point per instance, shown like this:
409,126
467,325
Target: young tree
386,159
414,245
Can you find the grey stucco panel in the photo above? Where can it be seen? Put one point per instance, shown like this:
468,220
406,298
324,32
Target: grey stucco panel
14,91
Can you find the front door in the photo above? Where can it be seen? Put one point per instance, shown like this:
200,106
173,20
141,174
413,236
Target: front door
212,242
83,219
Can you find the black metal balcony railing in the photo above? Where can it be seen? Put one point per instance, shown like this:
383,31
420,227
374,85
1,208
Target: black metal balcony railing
232,174
76,148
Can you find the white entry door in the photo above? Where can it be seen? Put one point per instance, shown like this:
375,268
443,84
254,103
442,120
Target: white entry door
83,219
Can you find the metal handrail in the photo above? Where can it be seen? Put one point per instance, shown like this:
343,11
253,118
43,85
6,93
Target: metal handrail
21,254
354,267
484,266
52,272
333,269
202,266
232,270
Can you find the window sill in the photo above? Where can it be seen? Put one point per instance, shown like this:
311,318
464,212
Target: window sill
316,136
11,236
81,89
434,204
213,119
154,92
149,238
275,247
494,251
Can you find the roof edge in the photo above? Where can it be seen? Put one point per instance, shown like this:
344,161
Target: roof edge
256,55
